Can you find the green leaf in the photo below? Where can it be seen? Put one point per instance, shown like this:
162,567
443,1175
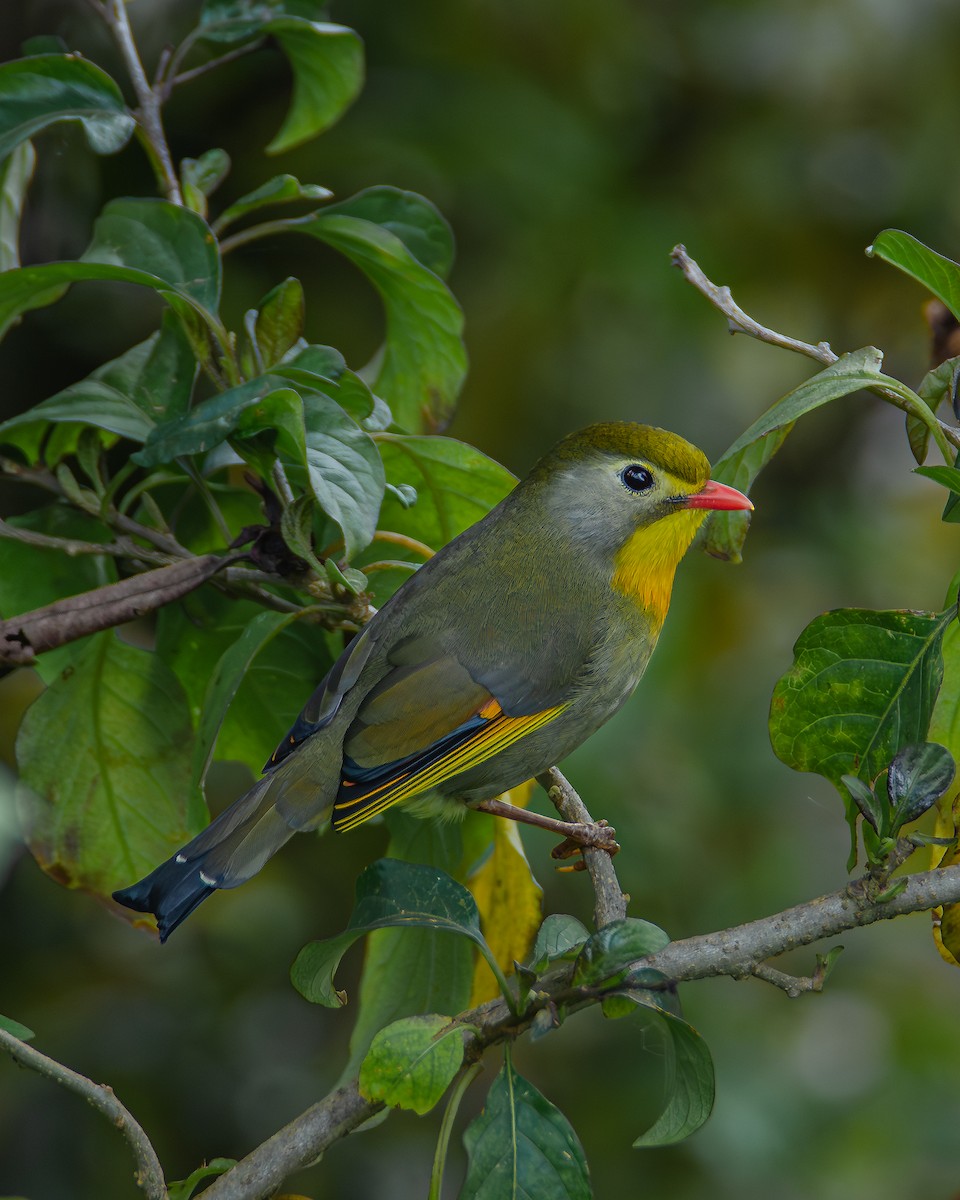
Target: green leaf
279,322
281,189
328,70
862,686
34,576
743,461
866,800
16,171
183,1189
917,778
151,382
939,275
389,893
39,91
613,948
410,217
948,477
522,1146
194,637
16,1029
149,242
412,1062
560,936
200,178
424,361
410,971
105,750
225,681
690,1086
456,485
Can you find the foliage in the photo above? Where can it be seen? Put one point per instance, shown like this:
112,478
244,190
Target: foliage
296,469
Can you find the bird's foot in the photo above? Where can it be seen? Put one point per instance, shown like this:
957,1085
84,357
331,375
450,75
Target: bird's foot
598,836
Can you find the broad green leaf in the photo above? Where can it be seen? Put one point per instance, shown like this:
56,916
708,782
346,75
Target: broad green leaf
22,1032
521,1146
327,61
862,686
328,70
389,893
945,722
412,1062
148,242
938,274
194,637
689,1088
410,971
39,91
281,189
279,322
456,485
560,936
164,239
410,217
105,752
151,382
16,171
33,576
612,949
917,778
225,681
183,1189
424,362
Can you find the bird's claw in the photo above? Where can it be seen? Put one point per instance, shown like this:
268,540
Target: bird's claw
599,836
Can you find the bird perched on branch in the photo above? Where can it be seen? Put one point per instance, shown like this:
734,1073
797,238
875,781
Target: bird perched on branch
503,653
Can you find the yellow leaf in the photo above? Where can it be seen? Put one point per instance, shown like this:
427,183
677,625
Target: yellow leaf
946,920
508,898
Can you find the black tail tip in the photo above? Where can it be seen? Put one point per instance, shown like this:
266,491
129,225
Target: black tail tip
171,893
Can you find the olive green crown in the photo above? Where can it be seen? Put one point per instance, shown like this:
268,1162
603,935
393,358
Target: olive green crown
626,439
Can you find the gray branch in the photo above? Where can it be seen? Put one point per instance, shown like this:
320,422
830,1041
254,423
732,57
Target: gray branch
149,1173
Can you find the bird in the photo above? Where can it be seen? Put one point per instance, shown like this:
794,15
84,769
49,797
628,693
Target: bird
492,662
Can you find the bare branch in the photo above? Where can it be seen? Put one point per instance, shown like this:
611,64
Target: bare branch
149,1173
611,904
740,322
25,636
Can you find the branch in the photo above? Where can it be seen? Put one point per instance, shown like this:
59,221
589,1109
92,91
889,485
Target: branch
149,1173
740,322
25,636
611,903
114,13
738,952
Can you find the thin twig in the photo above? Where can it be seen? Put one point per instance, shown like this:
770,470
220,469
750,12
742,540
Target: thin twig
195,72
149,1173
115,15
793,985
740,322
610,902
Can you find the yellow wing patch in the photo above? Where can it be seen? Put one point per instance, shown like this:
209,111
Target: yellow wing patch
427,771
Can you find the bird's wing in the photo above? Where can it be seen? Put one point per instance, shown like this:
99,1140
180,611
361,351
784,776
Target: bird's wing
427,720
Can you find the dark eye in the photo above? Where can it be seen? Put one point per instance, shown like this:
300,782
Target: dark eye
636,478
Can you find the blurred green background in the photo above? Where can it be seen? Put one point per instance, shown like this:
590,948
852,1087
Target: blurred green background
570,146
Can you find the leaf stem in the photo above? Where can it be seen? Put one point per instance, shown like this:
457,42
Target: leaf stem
446,1128
115,15
149,1173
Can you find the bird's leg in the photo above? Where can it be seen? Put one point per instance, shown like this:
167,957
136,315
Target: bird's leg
600,836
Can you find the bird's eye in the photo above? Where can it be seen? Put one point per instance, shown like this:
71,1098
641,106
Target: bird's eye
636,478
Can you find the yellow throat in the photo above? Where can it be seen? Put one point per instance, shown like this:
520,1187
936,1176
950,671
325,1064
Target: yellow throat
646,563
